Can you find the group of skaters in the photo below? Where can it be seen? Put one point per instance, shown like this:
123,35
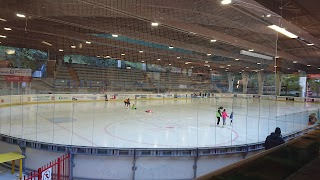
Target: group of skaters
127,104
222,113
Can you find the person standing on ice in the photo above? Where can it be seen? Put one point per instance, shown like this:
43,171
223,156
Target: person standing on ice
224,116
231,118
218,115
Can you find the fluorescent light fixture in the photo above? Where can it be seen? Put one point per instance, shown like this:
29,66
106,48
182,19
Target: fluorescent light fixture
60,50
140,51
294,62
308,65
154,24
213,40
88,42
21,15
159,59
283,31
169,64
3,20
2,36
256,55
123,54
310,44
46,43
170,47
206,61
208,54
178,57
224,2
73,47
229,65
318,68
258,63
98,56
247,67
128,67
7,29
251,50
142,61
10,51
268,15
115,35
107,57
262,69
275,66
276,57
187,63
237,59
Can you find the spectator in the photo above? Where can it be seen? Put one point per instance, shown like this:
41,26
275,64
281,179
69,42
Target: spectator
274,139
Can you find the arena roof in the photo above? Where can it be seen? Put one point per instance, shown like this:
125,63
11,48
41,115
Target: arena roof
200,34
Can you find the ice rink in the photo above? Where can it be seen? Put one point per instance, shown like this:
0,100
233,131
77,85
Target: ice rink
179,123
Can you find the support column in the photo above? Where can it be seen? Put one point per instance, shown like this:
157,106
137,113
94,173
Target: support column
278,83
245,79
231,77
260,82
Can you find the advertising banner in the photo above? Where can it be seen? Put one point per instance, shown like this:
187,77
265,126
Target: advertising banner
18,78
15,72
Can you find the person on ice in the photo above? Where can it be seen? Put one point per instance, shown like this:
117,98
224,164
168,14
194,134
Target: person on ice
218,115
224,116
231,118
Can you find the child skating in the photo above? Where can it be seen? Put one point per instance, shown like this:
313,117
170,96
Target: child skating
231,118
224,117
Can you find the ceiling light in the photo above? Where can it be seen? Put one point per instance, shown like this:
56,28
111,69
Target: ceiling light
258,63
294,62
242,70
1,36
208,54
3,20
247,67
46,43
308,65
10,51
251,50
187,63
288,68
213,40
115,35
237,59
268,15
60,50
154,24
170,47
128,67
98,56
123,54
73,47
229,65
7,29
257,55
318,68
169,64
140,51
275,66
158,59
224,2
283,31
142,61
262,69
310,44
107,57
276,57
21,15
178,57
206,62
88,42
